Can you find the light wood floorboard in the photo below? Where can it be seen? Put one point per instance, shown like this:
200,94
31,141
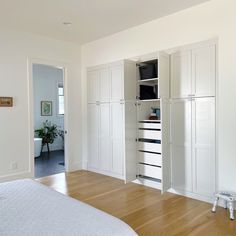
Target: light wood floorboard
145,209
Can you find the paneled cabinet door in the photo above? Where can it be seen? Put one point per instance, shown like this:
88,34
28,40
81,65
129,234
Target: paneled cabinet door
117,83
165,140
130,141
93,136
164,73
105,143
203,120
105,85
93,78
181,74
204,71
181,144
117,134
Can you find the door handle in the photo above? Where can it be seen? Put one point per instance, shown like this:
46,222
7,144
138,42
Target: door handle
65,132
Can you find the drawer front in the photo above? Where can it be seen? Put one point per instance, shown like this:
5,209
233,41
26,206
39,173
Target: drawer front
150,158
150,147
150,134
150,125
150,171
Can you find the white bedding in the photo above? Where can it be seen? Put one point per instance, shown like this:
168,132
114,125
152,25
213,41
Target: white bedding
28,208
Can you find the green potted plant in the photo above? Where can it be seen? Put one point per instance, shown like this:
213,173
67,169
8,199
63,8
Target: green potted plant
48,133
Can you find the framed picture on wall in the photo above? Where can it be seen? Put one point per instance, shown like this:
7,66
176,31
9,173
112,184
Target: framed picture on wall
46,108
6,101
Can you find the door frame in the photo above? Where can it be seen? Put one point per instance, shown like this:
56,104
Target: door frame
63,67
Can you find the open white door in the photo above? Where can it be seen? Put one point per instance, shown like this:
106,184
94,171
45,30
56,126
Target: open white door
163,63
130,141
166,163
163,75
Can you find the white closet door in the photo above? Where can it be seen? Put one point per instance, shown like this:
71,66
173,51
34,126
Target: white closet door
117,124
130,141
130,80
105,85
181,74
165,140
93,136
204,71
104,137
117,83
93,78
181,144
164,73
204,145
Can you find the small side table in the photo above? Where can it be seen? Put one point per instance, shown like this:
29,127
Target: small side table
228,199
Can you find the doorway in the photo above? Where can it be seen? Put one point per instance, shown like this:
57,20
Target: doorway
48,85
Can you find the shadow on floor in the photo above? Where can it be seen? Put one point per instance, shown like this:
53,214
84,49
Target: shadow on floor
49,165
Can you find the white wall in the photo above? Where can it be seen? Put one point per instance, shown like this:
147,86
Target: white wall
216,18
45,81
16,48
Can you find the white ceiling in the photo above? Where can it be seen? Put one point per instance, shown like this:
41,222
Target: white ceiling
92,19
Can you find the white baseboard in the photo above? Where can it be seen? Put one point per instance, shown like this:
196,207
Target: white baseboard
192,195
149,183
14,176
106,173
74,167
198,197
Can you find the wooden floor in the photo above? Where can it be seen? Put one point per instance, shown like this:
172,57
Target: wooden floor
143,208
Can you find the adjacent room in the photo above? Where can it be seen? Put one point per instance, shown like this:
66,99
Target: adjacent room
48,90
117,118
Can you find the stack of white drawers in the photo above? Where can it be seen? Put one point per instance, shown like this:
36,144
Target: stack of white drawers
150,159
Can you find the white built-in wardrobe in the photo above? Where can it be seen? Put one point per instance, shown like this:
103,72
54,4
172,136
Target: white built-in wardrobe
176,151
122,141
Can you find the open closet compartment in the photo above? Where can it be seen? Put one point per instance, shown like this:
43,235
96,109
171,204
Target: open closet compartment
147,73
149,141
153,165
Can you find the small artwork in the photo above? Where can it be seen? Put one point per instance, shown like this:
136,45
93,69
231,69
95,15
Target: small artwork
46,108
6,102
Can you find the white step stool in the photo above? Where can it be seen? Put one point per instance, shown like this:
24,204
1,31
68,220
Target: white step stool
228,198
